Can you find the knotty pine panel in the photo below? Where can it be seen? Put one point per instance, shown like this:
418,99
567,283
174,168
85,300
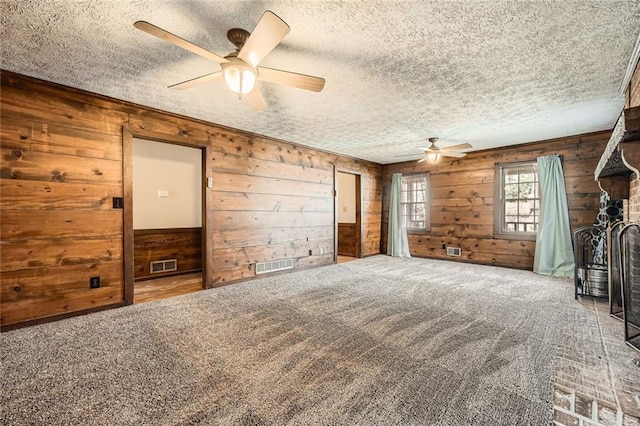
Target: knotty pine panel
255,220
263,168
182,244
19,194
347,239
237,238
462,199
229,182
46,291
231,257
45,166
35,136
58,110
70,166
50,252
247,201
34,224
285,153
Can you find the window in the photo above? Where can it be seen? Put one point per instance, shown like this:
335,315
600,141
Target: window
518,209
414,203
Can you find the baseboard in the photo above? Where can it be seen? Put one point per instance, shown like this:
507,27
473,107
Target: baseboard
44,320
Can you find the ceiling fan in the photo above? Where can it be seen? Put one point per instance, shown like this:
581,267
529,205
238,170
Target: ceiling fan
433,153
240,68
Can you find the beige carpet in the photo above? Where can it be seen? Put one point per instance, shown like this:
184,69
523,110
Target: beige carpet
376,341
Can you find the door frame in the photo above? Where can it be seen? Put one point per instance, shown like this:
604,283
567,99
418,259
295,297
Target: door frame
127,181
359,203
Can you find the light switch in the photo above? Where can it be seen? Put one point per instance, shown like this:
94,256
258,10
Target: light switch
209,182
163,193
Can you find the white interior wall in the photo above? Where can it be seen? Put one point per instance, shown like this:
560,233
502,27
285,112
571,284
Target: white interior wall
167,185
346,198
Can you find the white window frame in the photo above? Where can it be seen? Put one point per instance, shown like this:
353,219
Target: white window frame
409,201
500,223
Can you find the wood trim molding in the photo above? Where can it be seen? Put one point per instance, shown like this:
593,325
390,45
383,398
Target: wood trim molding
127,183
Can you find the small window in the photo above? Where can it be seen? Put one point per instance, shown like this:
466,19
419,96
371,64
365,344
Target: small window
518,205
414,203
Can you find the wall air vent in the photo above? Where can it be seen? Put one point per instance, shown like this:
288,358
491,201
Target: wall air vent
273,266
454,251
163,266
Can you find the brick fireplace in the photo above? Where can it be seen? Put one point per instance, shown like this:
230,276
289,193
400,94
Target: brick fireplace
618,174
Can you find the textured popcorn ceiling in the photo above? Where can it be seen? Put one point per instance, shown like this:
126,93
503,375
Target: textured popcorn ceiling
489,73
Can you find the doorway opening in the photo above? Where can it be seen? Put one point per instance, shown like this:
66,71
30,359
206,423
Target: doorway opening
348,216
166,229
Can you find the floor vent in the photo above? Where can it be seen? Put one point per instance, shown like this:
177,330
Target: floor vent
454,251
273,266
163,266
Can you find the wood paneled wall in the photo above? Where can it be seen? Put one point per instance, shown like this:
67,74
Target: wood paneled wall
182,244
347,239
462,199
62,162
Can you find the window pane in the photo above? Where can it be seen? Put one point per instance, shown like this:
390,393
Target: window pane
414,200
520,209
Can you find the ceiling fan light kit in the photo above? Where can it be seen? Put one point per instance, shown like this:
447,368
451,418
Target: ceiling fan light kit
433,154
240,69
433,157
239,76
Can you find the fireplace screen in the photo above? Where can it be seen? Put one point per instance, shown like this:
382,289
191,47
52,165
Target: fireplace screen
591,274
629,241
615,281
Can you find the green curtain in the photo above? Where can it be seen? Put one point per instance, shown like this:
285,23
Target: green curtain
554,249
397,243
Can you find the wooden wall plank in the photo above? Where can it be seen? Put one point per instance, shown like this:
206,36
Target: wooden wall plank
231,257
256,220
258,167
182,244
45,253
44,166
249,201
235,238
19,194
347,239
229,182
29,135
32,224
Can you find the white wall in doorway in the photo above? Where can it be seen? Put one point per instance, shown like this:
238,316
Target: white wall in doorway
346,198
167,185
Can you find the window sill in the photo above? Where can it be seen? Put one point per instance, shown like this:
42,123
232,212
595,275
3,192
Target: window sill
418,231
519,237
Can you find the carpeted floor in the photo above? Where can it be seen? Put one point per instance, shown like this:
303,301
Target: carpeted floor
376,341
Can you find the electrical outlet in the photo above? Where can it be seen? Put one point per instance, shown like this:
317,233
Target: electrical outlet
94,282
118,202
310,252
444,246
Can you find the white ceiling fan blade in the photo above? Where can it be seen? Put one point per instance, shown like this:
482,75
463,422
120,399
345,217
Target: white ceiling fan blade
454,154
288,78
269,31
178,41
422,159
456,147
198,80
256,100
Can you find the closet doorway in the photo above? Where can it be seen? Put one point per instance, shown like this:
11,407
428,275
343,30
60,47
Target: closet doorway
348,215
165,233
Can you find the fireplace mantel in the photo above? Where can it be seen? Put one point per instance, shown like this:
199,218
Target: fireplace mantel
622,154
